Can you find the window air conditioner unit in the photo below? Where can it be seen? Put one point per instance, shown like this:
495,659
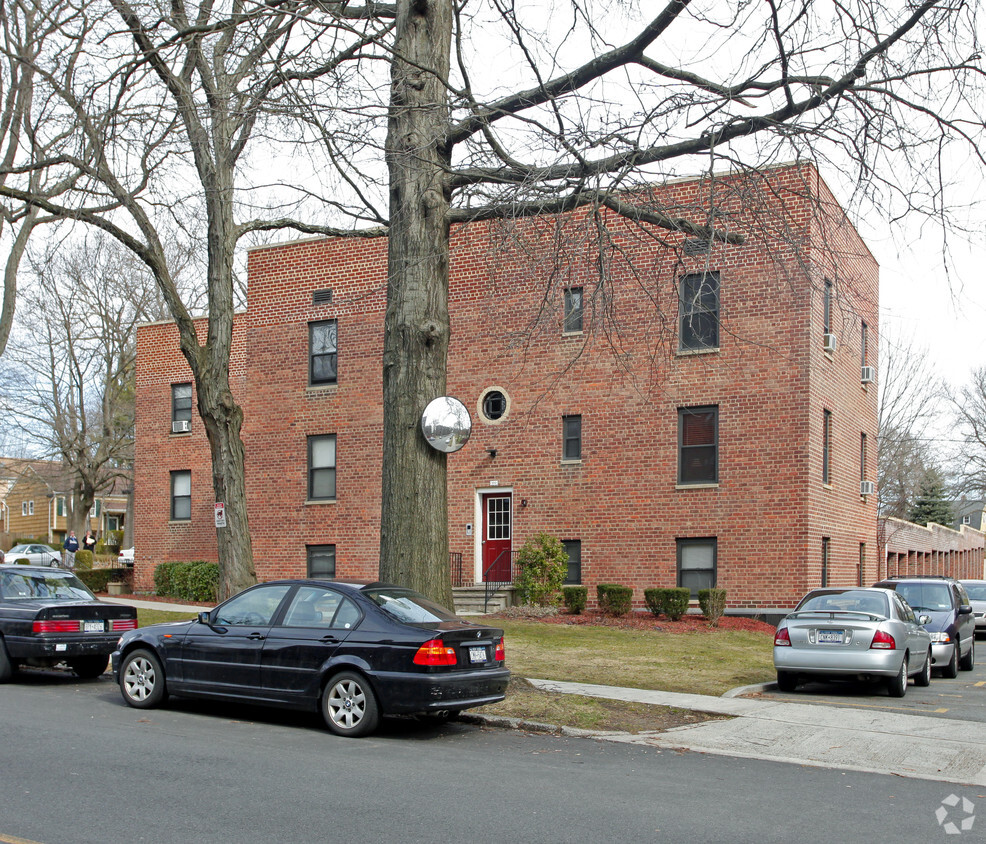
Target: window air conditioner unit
828,342
867,375
866,488
182,427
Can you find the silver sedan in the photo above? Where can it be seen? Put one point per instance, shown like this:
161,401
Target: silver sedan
853,633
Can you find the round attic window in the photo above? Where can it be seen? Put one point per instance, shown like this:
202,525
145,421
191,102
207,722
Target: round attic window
494,404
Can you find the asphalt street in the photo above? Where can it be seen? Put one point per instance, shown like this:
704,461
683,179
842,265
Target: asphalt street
80,767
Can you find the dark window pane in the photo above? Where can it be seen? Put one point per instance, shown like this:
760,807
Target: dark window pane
697,564
573,309
322,340
181,402
699,311
573,547
698,445
494,405
321,561
572,434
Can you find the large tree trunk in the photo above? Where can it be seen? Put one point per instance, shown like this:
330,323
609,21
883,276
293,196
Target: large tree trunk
414,507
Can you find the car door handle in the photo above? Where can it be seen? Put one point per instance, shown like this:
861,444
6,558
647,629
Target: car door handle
328,638
255,636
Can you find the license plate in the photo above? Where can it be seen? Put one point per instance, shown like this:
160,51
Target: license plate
830,637
93,626
477,654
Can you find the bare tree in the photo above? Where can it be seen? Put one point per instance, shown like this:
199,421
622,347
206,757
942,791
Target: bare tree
910,403
75,352
968,405
576,114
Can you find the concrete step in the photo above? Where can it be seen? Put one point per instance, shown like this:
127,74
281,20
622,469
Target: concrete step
471,599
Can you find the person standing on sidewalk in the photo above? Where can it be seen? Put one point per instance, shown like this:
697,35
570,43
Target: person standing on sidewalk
71,545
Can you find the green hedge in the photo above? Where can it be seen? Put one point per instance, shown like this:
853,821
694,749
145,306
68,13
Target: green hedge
672,602
614,599
96,579
195,581
575,598
83,560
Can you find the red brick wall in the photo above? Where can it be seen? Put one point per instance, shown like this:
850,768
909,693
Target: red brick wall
770,379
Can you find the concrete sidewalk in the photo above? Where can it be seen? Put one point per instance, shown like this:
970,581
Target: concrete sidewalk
917,746
154,605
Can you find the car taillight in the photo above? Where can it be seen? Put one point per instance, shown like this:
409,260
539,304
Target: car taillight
435,652
124,624
56,626
782,637
883,641
500,654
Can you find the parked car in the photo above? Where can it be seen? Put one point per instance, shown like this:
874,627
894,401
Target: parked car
353,651
48,616
35,553
976,590
952,626
126,558
851,634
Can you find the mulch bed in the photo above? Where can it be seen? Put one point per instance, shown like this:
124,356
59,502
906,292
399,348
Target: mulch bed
644,621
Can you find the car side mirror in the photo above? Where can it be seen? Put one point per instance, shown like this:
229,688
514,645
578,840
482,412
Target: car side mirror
965,609
924,619
204,618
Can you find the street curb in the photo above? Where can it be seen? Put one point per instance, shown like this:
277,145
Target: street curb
756,688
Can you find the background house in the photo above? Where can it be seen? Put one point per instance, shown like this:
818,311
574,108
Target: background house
697,413
37,497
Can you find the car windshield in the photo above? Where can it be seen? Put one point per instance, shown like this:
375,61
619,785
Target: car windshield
407,606
30,585
849,601
977,591
926,597
20,549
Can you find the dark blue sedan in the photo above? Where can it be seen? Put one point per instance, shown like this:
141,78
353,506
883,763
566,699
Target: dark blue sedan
354,651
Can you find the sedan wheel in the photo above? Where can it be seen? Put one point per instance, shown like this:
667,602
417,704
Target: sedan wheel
142,680
898,686
924,678
786,681
349,705
89,667
6,666
952,669
968,662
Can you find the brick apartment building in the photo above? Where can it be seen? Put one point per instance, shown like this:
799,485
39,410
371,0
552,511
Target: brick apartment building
676,412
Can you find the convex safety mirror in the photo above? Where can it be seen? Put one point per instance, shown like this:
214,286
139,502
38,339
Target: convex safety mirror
446,424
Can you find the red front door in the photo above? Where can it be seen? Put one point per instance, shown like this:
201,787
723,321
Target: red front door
496,537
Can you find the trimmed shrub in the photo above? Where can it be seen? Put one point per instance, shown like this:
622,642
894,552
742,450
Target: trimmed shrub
543,564
614,599
195,581
575,598
676,602
654,600
713,604
22,561
83,560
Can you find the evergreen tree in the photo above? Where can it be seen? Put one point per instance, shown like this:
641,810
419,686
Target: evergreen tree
931,503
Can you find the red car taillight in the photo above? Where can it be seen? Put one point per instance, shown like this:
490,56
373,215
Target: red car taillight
883,641
435,652
500,654
782,637
56,626
124,624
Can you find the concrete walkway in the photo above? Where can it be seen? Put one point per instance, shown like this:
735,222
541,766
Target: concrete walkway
918,746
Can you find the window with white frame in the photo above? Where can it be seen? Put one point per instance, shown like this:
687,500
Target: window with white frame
181,496
322,468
